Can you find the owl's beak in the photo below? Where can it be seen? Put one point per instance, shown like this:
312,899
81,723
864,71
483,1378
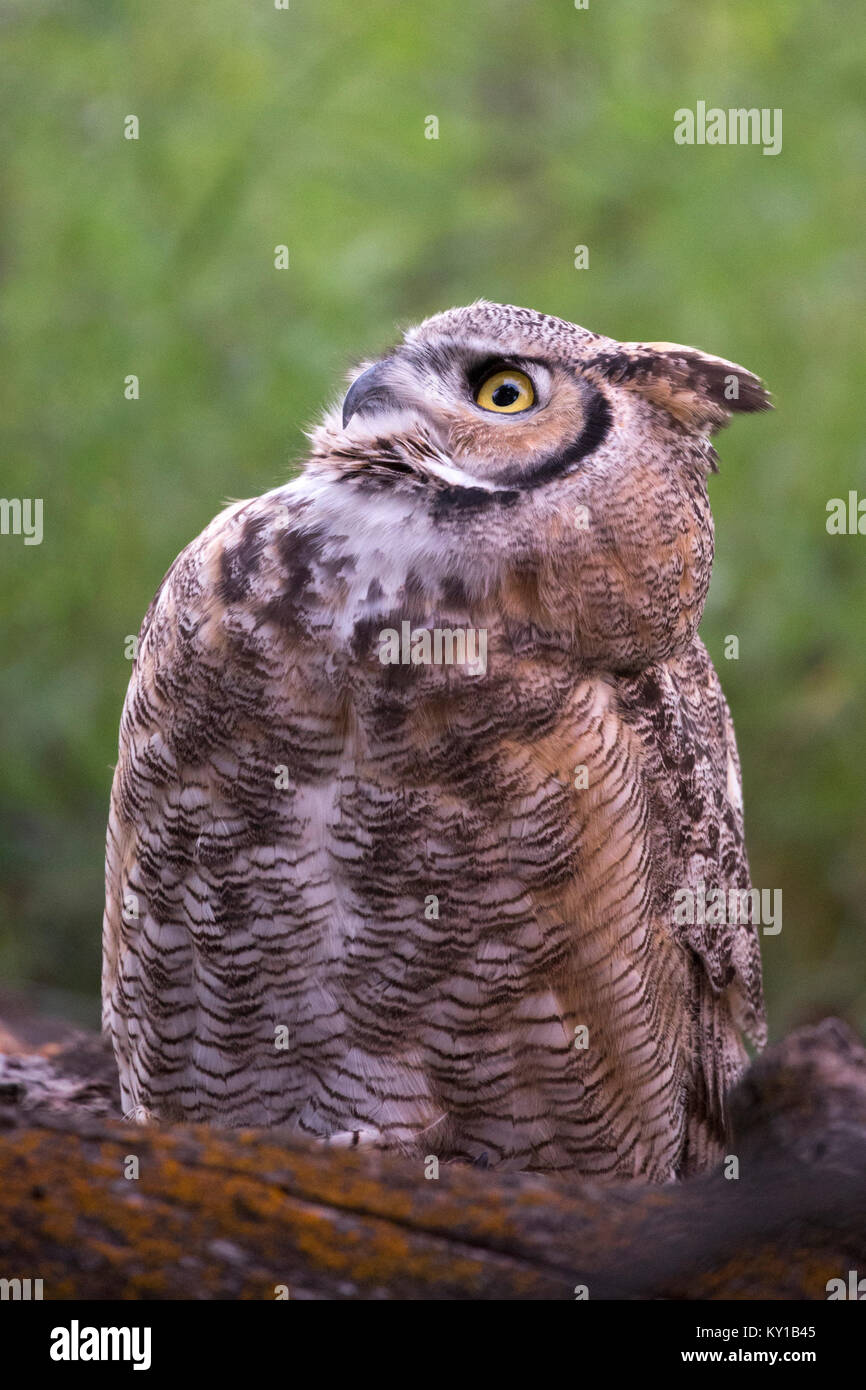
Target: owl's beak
369,391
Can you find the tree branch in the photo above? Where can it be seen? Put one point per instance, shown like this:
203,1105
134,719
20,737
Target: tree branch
218,1213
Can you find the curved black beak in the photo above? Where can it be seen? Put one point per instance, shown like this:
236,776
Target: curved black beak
369,391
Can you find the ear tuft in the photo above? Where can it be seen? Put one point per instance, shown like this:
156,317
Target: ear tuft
699,390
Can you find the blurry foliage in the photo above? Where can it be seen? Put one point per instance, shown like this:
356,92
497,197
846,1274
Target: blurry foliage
306,127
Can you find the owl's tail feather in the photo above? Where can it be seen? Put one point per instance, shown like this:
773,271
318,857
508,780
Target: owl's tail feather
720,1060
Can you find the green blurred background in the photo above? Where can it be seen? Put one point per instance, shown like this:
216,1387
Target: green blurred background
306,127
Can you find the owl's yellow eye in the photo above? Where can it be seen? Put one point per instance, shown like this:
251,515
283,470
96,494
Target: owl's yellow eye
506,392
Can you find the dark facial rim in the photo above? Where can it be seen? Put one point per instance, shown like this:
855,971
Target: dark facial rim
599,419
596,427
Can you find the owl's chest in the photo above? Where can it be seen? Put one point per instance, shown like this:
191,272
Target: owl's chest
435,697
491,899
474,814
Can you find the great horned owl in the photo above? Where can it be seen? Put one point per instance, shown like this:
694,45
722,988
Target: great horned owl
419,754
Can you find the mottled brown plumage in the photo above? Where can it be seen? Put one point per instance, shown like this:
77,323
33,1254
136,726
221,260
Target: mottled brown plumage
382,901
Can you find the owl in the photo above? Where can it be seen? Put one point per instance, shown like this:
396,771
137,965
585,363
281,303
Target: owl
423,761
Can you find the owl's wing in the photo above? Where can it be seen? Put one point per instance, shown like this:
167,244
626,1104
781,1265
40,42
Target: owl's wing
715,853
204,844
746,986
692,775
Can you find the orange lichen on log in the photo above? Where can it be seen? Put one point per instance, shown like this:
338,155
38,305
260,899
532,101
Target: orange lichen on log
207,1213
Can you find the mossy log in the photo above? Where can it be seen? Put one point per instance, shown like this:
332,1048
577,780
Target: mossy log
216,1213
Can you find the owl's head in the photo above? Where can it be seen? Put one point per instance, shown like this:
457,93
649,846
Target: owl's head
547,462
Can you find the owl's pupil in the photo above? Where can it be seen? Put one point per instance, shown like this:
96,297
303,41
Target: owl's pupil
506,394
